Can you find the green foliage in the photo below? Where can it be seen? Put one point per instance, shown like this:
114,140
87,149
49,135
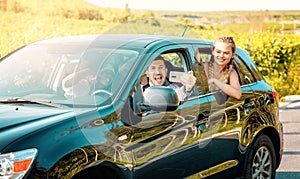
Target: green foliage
277,57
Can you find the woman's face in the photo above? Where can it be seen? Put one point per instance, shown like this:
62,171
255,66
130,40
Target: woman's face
222,53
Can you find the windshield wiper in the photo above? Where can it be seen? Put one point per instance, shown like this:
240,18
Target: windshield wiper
29,101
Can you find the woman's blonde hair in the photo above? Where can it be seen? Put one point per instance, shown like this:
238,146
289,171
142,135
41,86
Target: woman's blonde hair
226,39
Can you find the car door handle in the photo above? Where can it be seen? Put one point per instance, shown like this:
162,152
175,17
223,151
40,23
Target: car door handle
201,122
248,105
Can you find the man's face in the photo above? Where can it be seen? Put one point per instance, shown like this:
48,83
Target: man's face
157,73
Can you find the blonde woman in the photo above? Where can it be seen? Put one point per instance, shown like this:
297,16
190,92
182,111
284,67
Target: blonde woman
219,69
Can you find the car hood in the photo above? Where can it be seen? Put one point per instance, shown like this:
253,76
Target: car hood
18,121
11,115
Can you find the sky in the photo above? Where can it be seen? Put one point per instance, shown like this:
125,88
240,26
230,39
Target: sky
201,5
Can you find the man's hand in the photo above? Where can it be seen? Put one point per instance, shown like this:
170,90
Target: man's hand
188,80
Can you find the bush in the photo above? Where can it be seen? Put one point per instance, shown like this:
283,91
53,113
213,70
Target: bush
277,58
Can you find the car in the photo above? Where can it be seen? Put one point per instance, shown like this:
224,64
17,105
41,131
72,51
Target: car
105,127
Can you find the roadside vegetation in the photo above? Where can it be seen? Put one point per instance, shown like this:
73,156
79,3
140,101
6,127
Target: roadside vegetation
271,37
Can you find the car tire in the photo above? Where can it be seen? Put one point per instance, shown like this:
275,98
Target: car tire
260,161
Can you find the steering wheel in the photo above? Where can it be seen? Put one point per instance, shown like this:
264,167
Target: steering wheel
98,92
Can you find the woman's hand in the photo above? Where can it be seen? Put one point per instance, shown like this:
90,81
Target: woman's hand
198,57
232,89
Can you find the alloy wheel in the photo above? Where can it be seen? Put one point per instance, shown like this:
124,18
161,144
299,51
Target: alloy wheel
262,164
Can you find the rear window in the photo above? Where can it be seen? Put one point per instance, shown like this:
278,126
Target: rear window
244,72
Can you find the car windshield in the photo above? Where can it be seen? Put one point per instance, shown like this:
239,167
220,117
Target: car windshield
65,73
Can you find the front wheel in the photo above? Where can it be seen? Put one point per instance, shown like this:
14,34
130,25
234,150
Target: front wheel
260,161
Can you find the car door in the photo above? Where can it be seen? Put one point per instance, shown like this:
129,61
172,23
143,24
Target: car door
226,120
173,144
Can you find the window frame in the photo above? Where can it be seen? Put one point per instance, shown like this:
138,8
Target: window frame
246,76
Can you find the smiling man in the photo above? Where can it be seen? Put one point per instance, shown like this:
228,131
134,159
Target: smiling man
157,76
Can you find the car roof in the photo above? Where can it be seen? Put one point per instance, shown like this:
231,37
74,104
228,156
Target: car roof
128,40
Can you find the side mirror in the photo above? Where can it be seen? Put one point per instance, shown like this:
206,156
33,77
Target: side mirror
161,98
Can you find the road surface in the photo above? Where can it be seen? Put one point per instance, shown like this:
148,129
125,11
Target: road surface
289,114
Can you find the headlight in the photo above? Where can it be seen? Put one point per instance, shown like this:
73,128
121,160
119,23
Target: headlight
16,164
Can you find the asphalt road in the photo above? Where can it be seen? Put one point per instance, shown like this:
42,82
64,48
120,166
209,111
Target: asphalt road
289,114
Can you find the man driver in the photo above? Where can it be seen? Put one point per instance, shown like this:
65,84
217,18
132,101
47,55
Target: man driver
157,76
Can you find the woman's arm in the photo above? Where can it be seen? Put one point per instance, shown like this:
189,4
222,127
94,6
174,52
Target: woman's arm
232,89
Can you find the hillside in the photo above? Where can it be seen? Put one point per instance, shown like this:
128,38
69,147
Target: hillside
76,8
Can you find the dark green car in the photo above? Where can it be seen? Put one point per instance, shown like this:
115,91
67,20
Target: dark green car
103,126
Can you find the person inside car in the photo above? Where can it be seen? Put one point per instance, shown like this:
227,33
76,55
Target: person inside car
157,76
219,70
87,80
92,75
105,76
77,83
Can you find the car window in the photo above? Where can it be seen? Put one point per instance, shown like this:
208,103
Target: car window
175,66
62,74
201,78
176,60
244,73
